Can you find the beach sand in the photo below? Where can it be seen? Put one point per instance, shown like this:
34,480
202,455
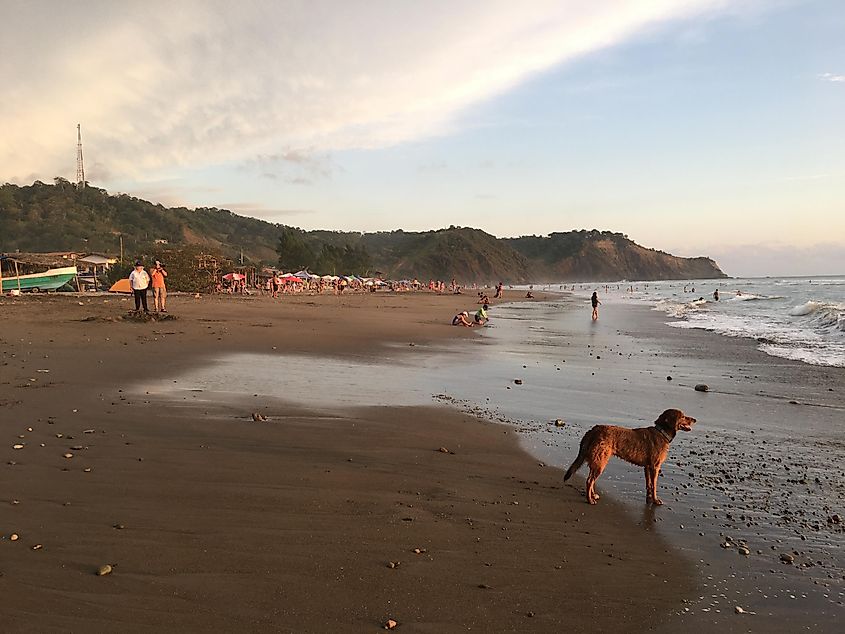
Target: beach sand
212,521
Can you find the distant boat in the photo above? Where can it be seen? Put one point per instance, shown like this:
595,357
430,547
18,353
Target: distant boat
49,280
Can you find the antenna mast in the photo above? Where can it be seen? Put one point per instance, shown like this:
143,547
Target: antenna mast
80,168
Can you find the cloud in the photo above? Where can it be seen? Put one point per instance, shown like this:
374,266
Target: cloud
832,77
774,259
300,167
215,82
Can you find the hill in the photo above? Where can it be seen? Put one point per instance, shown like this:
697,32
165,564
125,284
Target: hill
602,256
60,217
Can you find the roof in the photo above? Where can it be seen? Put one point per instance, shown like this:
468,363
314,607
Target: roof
96,258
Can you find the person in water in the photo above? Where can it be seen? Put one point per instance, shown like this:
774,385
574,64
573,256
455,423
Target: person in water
461,319
595,302
716,295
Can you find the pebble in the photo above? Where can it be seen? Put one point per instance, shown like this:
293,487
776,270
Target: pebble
744,551
390,624
258,418
787,558
559,423
393,564
68,455
443,450
14,537
517,381
37,547
104,570
19,446
702,387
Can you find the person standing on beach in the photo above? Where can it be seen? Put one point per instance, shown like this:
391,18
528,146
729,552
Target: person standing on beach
716,294
159,288
139,280
595,301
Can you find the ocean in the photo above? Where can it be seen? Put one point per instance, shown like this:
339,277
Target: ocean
793,318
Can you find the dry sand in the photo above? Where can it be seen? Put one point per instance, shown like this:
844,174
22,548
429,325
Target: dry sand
211,521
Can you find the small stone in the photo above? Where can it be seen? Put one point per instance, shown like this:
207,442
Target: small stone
739,610
702,387
418,551
390,624
18,446
67,455
560,422
37,547
517,381
104,570
787,558
443,450
119,527
744,551
258,418
484,586
77,447
393,564
87,470
668,378
14,537
835,518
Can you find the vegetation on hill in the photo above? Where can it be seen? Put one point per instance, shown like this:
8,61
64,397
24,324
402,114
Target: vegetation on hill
60,217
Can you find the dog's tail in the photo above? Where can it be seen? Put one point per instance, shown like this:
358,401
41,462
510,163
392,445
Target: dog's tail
582,455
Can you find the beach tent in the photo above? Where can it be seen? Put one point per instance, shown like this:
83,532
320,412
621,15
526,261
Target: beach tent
121,286
305,275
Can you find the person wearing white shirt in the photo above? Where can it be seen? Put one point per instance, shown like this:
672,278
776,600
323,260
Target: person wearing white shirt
139,280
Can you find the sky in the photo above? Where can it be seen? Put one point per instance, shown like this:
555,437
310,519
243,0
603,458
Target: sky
697,127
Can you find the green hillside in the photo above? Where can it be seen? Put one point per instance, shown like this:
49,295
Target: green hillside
59,217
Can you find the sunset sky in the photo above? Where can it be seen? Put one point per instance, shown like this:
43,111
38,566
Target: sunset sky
699,127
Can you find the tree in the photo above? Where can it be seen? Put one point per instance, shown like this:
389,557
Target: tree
293,251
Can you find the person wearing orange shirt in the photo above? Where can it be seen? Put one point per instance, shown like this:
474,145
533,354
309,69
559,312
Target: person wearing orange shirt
159,288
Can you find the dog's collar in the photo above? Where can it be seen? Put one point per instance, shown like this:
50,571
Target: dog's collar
663,433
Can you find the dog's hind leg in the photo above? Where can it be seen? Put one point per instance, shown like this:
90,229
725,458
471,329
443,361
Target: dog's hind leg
595,471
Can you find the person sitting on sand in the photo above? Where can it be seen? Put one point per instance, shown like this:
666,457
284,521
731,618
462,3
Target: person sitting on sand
481,317
461,319
595,301
529,295
483,299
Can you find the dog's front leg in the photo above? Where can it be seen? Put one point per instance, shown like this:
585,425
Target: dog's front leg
648,491
655,473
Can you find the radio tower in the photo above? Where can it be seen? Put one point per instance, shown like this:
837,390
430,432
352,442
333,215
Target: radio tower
80,168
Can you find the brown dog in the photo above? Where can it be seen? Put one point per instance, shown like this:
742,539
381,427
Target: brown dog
645,447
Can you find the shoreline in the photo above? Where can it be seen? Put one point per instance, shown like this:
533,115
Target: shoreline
258,522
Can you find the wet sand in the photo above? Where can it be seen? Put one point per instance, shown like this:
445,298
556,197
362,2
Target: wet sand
213,521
